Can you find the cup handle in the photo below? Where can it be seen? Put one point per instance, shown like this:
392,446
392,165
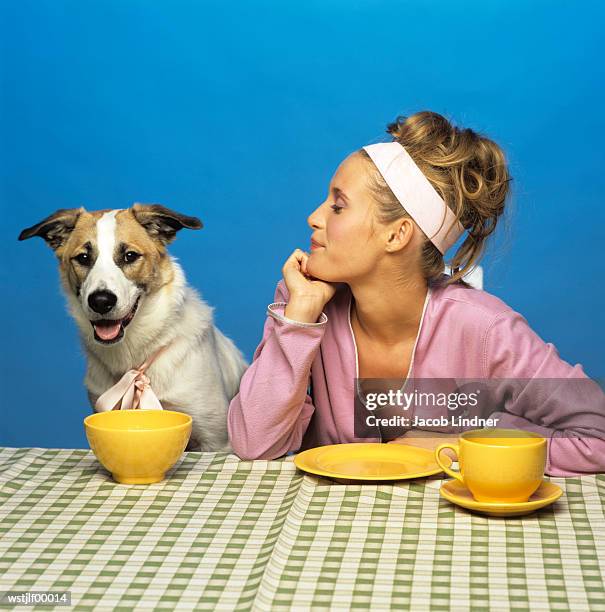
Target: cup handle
446,469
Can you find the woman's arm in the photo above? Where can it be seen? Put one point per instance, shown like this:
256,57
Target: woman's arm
271,412
543,393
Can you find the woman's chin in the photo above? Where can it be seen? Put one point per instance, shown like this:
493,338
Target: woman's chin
318,272
312,268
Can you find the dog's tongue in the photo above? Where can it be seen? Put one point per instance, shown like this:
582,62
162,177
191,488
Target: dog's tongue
107,330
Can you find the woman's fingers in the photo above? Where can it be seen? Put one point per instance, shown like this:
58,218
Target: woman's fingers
303,265
293,262
297,261
299,279
294,271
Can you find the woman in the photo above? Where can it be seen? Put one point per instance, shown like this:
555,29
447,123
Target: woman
371,301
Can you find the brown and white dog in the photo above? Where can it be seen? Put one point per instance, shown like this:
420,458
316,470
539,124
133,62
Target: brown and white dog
129,298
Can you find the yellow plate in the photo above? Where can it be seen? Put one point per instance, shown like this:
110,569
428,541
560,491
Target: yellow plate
370,461
455,492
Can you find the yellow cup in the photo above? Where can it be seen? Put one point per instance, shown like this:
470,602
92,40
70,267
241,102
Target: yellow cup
498,465
138,446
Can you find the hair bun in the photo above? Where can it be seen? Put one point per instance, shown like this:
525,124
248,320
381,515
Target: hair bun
468,169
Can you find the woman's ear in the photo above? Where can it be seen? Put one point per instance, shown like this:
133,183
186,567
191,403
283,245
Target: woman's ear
161,223
399,235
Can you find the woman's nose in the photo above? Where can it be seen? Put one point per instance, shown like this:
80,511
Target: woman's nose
314,219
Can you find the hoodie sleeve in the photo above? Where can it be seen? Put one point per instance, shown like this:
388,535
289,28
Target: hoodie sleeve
538,391
271,412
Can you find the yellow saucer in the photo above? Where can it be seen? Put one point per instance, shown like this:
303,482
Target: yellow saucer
455,492
370,461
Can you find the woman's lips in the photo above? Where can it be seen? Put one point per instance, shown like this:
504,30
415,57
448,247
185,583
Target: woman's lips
316,245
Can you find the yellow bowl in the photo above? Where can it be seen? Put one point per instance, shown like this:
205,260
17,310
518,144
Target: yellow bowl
138,446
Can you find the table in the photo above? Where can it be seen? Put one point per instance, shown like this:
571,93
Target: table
226,534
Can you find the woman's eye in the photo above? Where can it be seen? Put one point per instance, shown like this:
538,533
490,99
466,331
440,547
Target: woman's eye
83,259
336,208
131,256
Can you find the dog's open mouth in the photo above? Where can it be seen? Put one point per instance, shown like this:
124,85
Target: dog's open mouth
108,331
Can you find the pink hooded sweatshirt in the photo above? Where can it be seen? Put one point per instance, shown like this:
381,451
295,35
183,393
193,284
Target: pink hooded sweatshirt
463,333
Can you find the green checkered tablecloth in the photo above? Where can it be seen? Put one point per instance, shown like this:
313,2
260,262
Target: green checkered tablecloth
226,534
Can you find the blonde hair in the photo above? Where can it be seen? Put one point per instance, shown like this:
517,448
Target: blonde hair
467,169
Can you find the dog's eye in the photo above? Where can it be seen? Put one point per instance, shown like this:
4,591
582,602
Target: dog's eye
131,256
83,259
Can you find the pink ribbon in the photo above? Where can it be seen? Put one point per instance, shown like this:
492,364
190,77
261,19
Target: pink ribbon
132,392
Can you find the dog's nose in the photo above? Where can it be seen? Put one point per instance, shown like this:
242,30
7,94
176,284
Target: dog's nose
102,301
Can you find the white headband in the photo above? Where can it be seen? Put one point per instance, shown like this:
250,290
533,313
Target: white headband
416,194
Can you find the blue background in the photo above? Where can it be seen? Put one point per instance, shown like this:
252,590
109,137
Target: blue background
239,113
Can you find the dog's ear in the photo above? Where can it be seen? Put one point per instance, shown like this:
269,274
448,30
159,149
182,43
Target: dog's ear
162,223
56,228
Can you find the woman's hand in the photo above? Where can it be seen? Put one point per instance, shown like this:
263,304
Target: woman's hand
427,439
308,295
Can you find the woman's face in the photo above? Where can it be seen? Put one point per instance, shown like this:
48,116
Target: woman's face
344,246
